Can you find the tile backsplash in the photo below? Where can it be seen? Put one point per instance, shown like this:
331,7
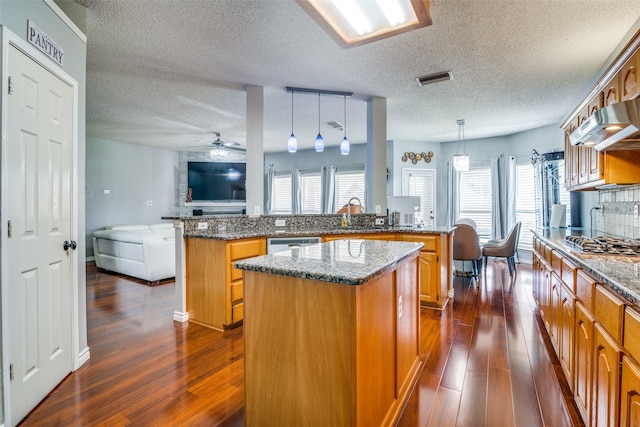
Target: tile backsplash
617,217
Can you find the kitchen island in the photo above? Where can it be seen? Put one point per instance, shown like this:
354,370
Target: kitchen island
331,333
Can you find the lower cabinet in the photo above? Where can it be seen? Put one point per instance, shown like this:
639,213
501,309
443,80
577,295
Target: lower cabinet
630,393
583,361
566,332
215,289
606,379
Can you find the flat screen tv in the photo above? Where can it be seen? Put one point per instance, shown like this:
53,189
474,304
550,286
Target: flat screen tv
217,181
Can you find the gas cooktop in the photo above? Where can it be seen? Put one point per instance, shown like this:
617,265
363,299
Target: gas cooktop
604,245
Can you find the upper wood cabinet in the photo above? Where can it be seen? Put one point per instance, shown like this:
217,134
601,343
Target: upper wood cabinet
585,167
612,91
629,78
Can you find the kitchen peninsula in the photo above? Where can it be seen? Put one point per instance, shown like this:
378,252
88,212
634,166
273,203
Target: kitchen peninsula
331,333
209,288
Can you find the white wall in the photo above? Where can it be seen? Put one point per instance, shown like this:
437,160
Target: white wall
133,174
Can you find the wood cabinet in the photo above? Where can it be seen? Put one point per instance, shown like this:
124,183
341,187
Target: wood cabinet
605,397
630,393
435,264
629,78
215,288
435,267
566,332
330,354
583,360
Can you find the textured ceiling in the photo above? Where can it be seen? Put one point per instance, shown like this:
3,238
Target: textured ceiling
168,73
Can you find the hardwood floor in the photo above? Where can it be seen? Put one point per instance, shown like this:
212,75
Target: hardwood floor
486,363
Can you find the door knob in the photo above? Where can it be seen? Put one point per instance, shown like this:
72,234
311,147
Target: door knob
69,245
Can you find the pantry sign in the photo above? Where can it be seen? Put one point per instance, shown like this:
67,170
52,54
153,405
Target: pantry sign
40,40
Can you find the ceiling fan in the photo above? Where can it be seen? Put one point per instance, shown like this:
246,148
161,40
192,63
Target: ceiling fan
219,149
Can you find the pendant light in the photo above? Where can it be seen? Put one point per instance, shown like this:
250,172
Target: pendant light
319,145
345,147
461,161
292,144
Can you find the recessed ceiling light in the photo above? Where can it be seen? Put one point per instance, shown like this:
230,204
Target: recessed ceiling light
352,23
434,78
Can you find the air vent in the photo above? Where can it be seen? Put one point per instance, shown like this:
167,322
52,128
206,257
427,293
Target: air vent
434,78
335,125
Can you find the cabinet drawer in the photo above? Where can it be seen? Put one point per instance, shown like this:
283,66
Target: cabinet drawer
237,291
609,311
430,242
568,274
237,312
245,249
632,332
585,285
556,262
236,273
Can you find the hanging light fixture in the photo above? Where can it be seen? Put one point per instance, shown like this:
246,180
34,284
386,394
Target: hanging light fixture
292,144
319,145
345,147
461,161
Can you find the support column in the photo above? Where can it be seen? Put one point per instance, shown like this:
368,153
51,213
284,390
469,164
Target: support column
376,179
180,314
255,150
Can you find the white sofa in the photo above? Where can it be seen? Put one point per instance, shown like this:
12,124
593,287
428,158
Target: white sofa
145,251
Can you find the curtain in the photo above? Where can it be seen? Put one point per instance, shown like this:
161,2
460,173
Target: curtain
269,176
503,196
296,192
330,189
497,195
511,194
453,207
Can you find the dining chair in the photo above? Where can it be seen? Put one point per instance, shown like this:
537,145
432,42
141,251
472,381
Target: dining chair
505,248
466,246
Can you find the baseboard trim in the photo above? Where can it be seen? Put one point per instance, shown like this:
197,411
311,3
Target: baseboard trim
91,259
83,358
180,317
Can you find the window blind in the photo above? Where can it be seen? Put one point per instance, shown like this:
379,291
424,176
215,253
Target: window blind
475,198
281,194
525,204
311,187
348,184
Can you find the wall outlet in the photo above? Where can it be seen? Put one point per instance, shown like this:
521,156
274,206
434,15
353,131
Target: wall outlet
378,209
149,203
107,191
600,209
379,221
203,226
256,210
281,223
636,208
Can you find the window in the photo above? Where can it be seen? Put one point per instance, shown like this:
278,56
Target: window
525,204
281,193
349,183
419,182
475,199
311,190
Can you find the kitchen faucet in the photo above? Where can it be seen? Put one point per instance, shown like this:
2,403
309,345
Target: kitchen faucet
349,209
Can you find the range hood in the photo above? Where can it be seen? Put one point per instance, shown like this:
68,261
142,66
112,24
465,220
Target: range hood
615,127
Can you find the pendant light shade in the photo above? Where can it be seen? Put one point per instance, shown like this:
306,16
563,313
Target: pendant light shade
345,147
319,144
461,161
292,144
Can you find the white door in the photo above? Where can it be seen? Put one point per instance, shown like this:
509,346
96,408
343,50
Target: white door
39,147
420,182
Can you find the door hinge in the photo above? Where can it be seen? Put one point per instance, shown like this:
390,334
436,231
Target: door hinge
9,229
11,375
10,87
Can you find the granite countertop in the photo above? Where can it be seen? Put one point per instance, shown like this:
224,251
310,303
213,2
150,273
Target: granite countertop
349,262
621,273
235,235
